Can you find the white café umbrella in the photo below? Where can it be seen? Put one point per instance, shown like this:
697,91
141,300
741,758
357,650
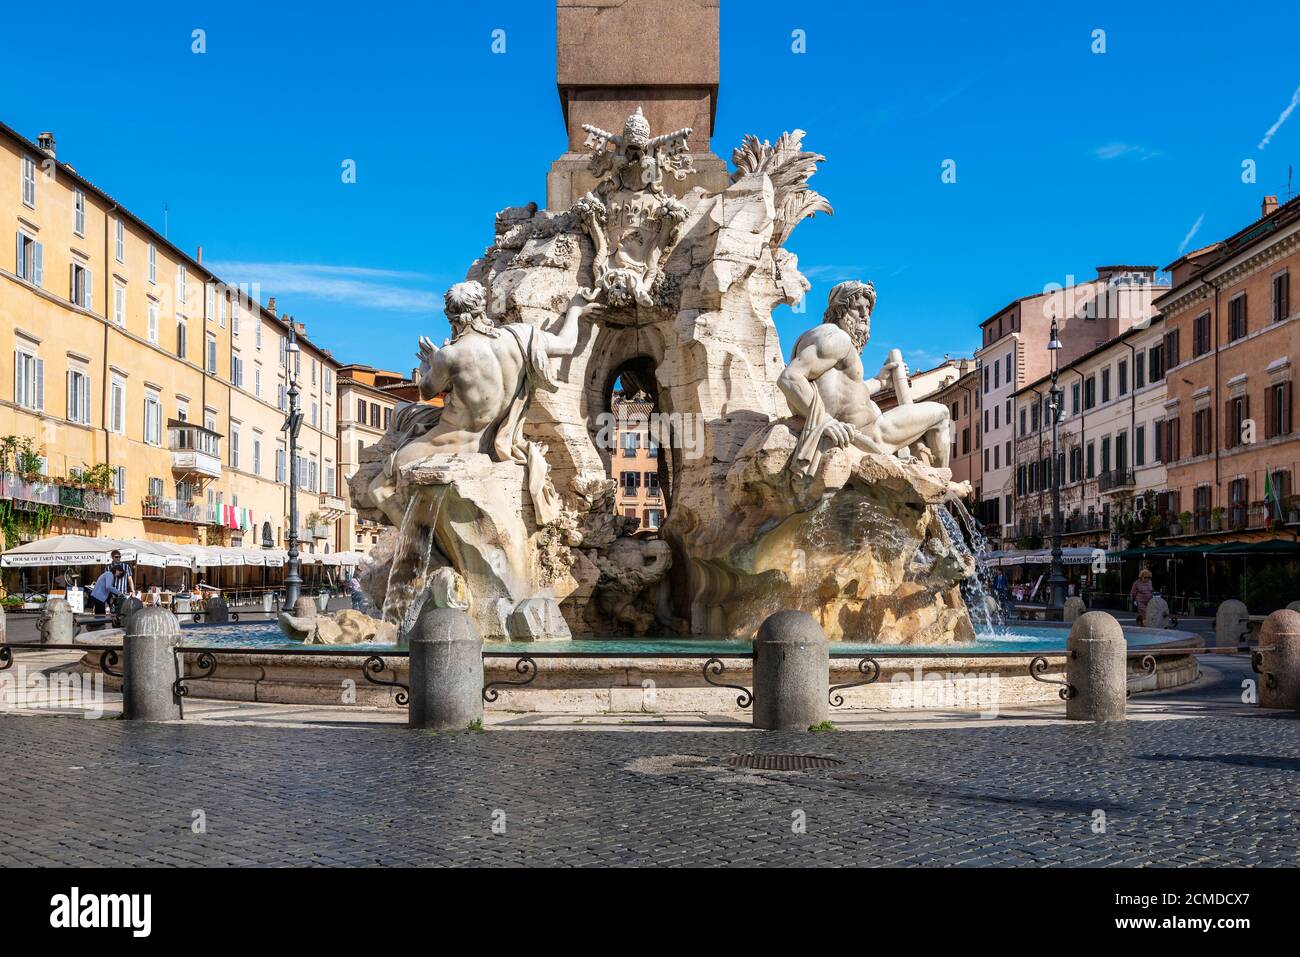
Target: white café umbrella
67,550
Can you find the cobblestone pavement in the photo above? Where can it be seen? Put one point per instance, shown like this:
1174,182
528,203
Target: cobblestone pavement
1213,790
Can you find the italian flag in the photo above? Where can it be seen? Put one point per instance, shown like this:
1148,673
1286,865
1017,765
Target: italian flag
1272,497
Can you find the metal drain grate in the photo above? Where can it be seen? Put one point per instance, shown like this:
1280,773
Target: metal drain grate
781,762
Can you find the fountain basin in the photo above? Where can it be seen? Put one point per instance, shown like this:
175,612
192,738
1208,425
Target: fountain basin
620,676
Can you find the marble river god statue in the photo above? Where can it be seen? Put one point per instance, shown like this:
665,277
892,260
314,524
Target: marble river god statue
784,484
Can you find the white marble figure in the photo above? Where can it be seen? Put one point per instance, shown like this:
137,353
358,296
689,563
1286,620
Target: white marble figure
825,385
488,374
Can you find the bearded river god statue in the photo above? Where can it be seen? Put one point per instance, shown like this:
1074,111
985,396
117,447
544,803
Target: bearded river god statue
794,489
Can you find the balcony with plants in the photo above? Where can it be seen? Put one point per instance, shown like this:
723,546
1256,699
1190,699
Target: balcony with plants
31,500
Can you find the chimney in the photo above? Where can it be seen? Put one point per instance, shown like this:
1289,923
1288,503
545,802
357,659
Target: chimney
270,305
1266,208
46,142
199,257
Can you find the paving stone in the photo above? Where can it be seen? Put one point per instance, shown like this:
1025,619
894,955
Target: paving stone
1218,790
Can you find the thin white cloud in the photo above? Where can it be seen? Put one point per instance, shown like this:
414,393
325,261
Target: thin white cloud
1187,240
1115,150
830,270
1282,118
380,289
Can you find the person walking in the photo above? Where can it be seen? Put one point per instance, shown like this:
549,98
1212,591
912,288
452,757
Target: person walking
353,588
1140,594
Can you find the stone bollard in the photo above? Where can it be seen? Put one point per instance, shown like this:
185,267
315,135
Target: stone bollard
446,671
57,624
1279,653
791,673
1097,669
149,666
1230,623
1074,607
216,611
1157,615
130,605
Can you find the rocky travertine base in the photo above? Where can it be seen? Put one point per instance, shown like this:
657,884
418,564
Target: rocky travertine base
474,515
861,547
346,627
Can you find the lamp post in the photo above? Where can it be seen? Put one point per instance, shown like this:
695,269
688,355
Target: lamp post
1056,580
292,425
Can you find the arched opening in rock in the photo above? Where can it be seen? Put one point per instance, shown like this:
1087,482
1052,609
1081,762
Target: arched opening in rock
640,447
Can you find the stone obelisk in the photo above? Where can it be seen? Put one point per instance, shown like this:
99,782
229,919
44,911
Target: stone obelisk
613,56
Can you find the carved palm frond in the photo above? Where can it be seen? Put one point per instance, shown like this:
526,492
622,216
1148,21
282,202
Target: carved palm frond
789,167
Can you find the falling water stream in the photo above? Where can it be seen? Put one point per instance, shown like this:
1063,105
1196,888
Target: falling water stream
408,576
981,600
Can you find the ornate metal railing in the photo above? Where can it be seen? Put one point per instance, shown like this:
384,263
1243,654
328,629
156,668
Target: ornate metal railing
374,666
525,666
1038,666
868,667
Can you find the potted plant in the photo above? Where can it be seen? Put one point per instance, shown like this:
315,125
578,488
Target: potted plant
1216,518
27,461
98,477
1291,505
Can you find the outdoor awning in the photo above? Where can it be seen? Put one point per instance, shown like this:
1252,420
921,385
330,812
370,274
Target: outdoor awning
1275,546
1043,556
160,554
67,550
351,559
204,557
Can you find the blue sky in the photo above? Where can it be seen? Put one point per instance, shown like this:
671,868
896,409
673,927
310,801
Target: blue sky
1065,158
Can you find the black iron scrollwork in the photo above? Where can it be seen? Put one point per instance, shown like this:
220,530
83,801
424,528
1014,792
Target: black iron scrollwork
524,666
713,668
375,666
107,660
1147,668
1038,667
206,664
869,667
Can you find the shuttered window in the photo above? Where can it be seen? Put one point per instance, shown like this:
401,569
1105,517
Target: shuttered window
117,406
78,397
29,380
29,182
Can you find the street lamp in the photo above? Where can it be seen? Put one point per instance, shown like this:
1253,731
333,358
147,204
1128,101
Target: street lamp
1056,580
292,425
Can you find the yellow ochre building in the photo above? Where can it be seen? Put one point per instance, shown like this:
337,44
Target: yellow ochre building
140,396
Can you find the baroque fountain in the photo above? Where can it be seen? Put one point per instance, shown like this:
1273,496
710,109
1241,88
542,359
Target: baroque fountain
786,486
